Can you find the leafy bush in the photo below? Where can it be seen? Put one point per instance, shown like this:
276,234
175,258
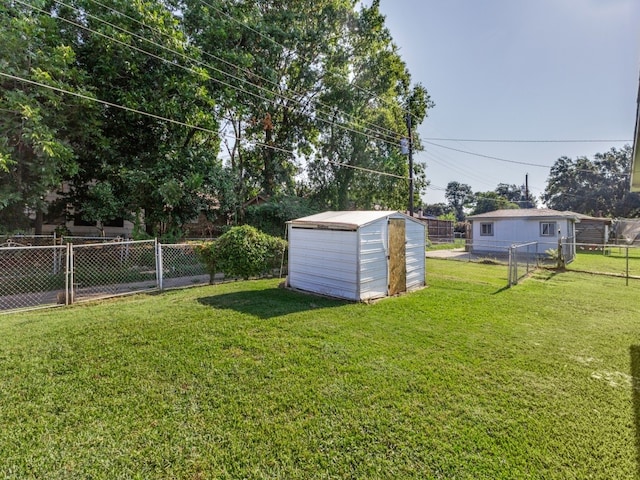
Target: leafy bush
207,253
243,251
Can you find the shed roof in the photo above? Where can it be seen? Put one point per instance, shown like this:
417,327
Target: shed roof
345,220
524,213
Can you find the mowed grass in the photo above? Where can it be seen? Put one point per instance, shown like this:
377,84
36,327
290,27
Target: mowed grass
464,379
615,262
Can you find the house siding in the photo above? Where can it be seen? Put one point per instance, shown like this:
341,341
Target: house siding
507,231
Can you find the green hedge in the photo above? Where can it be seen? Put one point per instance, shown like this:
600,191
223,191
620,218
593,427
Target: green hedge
243,251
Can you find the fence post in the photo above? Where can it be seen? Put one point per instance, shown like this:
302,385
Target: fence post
627,265
560,252
510,280
159,265
70,276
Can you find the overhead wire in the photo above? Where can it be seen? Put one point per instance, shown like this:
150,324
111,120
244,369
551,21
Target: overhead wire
387,135
291,99
439,139
177,122
487,156
267,90
196,72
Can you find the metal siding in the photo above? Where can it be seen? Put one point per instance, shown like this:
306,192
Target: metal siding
373,260
415,251
350,264
323,261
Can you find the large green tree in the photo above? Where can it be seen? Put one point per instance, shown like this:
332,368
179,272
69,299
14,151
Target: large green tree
598,186
459,195
369,90
136,57
40,127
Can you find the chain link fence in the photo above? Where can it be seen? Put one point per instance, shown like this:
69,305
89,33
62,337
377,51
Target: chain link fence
608,259
33,276
44,276
107,269
181,266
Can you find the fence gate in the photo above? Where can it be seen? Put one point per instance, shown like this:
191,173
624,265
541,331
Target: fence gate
108,269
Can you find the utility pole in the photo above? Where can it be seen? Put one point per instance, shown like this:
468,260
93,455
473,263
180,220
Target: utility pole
410,164
526,190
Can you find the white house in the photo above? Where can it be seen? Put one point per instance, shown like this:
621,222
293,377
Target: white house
496,231
356,255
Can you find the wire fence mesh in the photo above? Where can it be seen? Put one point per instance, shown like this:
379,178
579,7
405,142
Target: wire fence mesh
32,276
523,259
612,260
107,269
181,266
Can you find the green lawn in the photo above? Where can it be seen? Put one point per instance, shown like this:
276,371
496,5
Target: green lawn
464,380
615,262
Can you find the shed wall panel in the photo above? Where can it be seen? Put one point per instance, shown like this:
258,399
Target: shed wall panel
415,251
373,260
324,261
353,264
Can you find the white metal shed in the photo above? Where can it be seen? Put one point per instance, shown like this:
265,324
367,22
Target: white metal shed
359,255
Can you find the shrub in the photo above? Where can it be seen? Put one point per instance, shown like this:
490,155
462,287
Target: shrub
243,251
207,253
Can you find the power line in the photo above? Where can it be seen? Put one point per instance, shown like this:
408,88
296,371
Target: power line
177,122
522,141
487,156
130,109
300,107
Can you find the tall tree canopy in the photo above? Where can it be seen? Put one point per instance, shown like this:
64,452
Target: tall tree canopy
598,186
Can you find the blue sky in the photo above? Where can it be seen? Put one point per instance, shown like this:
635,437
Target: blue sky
518,70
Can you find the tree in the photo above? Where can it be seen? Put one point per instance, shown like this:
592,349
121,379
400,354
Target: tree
39,126
491,201
596,187
437,209
516,194
368,91
459,195
153,166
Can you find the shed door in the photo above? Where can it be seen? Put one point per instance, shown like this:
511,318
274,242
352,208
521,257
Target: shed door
397,256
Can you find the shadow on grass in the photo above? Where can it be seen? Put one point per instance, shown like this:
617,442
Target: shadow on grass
269,303
634,353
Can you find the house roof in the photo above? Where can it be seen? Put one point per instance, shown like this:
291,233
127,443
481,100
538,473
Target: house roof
582,217
346,220
635,158
523,213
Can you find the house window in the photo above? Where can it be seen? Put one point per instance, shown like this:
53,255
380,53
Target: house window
547,229
486,229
